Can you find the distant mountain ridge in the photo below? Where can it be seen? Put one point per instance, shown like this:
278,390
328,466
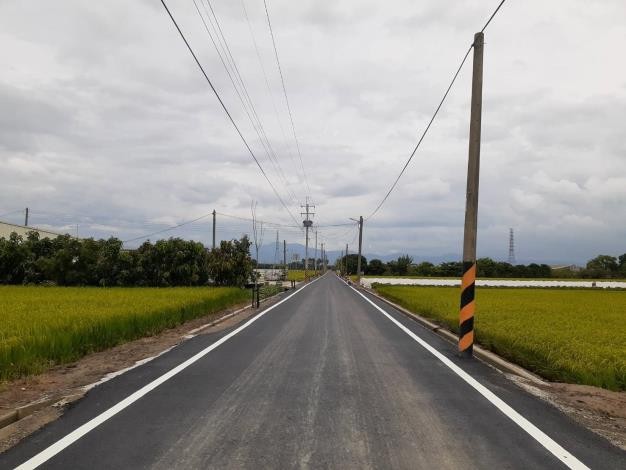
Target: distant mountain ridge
266,255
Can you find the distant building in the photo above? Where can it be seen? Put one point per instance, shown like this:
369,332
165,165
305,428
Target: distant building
6,229
567,267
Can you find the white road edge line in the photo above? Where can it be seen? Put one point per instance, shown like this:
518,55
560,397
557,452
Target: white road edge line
79,432
555,449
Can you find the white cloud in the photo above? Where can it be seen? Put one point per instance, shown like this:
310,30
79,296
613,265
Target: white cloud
108,117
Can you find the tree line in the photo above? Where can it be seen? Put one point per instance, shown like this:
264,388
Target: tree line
68,261
604,267
600,267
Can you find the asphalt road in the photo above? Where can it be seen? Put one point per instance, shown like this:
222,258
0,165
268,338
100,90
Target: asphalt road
322,380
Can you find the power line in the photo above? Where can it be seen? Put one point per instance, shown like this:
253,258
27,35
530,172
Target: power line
270,150
282,81
247,219
335,225
168,229
226,111
246,101
393,186
445,95
267,84
491,17
11,212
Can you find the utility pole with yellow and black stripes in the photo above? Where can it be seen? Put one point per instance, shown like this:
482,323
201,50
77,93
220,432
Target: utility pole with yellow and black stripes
468,301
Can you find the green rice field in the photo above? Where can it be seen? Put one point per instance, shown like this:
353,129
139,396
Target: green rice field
44,326
567,335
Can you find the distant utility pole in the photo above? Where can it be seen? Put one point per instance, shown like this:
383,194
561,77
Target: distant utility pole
214,229
26,218
342,263
511,247
307,222
315,261
276,248
468,304
285,254
358,263
346,259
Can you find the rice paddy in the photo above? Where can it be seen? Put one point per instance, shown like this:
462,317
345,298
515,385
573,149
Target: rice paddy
566,335
44,326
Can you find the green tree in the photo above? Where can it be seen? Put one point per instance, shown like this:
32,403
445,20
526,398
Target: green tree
402,265
450,269
425,268
13,257
376,267
230,264
601,266
486,267
622,264
352,264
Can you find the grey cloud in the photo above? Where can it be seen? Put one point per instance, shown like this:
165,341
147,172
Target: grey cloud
113,120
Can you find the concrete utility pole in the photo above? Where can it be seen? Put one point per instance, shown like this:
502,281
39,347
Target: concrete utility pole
276,248
214,229
468,306
323,259
315,261
358,263
346,259
342,268
26,218
285,254
307,224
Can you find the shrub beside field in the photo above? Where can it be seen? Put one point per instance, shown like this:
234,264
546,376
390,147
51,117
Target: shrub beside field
44,326
575,336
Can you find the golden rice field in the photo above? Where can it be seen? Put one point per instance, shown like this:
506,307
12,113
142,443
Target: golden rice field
298,274
567,335
44,326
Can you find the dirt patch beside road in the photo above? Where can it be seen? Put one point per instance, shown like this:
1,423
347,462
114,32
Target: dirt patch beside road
602,411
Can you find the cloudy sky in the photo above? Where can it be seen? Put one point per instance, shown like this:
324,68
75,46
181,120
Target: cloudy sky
108,125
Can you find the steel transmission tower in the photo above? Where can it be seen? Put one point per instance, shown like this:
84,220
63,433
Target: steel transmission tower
511,247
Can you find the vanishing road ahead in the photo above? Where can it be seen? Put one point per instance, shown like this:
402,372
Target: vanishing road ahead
324,379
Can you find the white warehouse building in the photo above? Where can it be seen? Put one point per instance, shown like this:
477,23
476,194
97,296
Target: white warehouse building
6,229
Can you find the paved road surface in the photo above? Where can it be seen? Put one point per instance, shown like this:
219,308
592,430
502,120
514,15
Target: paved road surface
323,380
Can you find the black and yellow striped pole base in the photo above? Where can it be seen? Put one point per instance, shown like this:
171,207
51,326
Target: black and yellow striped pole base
468,307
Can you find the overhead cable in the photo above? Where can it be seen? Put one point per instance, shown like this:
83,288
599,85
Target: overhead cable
445,95
282,81
246,102
227,112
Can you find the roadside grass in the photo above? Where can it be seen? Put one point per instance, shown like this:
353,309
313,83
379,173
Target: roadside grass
298,274
45,326
269,290
574,335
